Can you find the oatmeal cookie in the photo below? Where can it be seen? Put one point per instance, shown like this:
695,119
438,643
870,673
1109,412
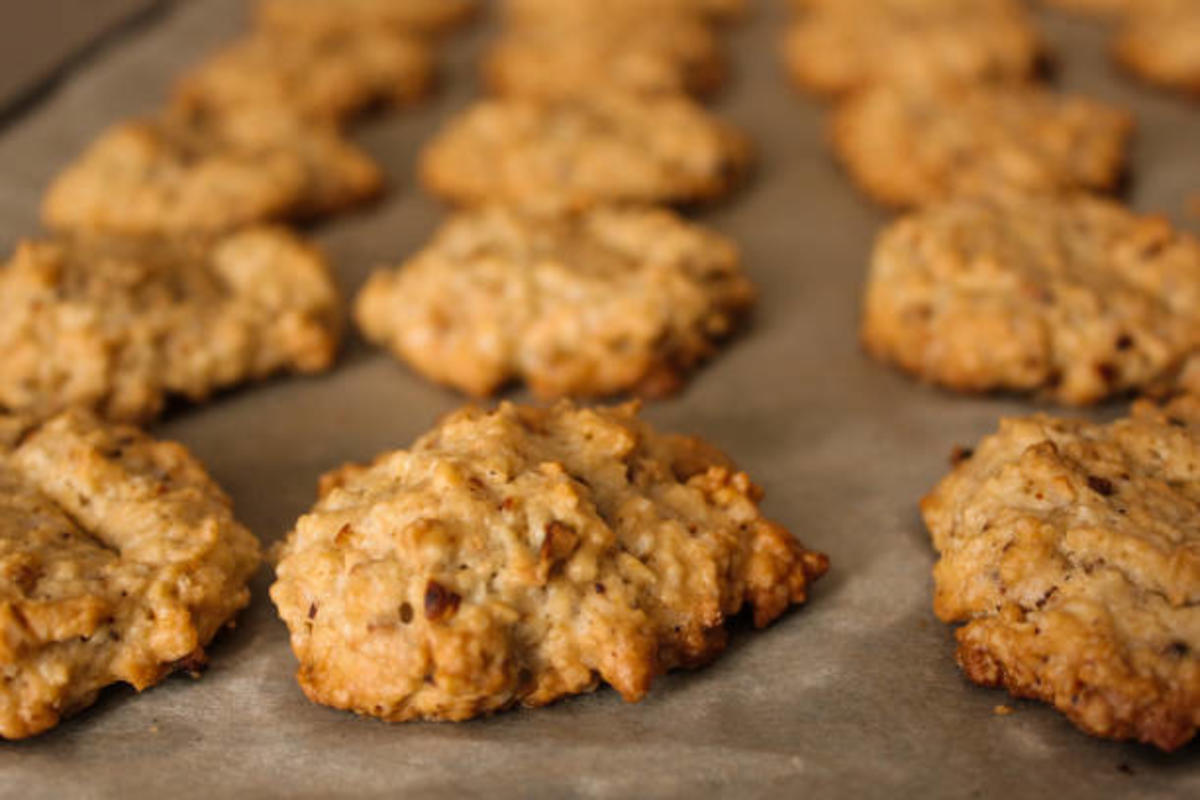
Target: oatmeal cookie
608,147
120,560
1076,298
117,325
326,79
910,147
323,17
1071,553
1160,42
840,47
523,555
1103,8
184,173
525,11
554,61
593,303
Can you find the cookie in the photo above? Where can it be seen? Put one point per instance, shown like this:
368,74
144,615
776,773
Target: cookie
555,61
1077,299
119,325
608,147
1103,8
1160,43
1070,551
537,11
523,555
837,48
596,303
323,17
327,79
200,173
911,147
120,560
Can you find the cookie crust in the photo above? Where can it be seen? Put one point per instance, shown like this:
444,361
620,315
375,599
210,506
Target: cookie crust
120,560
1071,553
610,147
119,325
582,304
910,147
522,555
1078,299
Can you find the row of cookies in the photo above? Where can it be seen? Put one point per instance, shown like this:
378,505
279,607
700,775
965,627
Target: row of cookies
562,267
168,272
553,549
1069,550
1155,39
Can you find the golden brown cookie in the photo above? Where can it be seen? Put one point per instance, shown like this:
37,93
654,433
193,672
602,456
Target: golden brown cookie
840,47
522,555
1075,298
322,17
1159,41
608,147
523,11
564,59
119,325
1071,553
1103,8
187,173
587,304
910,147
120,560
327,79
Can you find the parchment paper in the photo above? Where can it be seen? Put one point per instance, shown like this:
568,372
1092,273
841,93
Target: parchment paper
856,694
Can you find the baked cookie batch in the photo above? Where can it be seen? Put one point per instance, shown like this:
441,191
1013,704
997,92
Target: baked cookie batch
1069,551
519,555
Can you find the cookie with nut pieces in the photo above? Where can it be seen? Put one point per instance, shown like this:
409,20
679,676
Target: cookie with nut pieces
911,147
121,325
120,560
322,17
204,173
518,556
1070,553
575,304
609,147
327,79
837,48
1077,299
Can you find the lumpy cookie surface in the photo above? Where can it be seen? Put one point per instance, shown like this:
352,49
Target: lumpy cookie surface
844,46
326,79
1076,298
119,325
1071,553
323,17
198,172
909,147
522,555
609,147
119,561
573,304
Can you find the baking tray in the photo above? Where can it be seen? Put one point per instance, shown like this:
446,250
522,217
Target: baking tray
856,694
